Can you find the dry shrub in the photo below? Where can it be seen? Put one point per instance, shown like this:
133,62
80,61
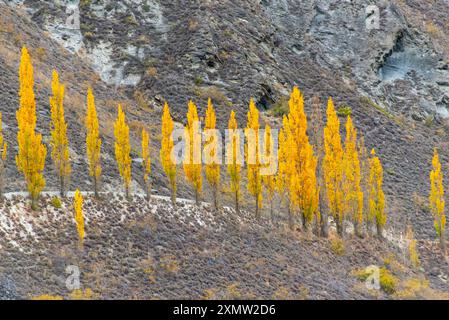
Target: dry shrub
169,264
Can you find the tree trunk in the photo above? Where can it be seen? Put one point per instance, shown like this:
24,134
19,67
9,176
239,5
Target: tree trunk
379,231
257,208
290,218
127,192
358,229
148,191
173,198
271,211
61,186
443,242
215,196
34,203
324,225
340,230
197,198
237,207
97,196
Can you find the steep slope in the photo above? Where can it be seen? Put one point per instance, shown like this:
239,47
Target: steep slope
154,251
394,78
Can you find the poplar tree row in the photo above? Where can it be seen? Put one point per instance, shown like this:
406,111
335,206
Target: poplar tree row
315,178
344,188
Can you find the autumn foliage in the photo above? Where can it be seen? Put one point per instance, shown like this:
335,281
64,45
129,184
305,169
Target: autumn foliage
58,127
192,159
31,155
93,141
167,144
436,198
79,216
234,154
123,149
211,154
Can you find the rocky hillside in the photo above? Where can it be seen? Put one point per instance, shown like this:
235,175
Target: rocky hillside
394,77
154,251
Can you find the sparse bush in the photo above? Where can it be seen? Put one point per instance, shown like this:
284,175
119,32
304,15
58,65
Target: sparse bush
282,293
85,3
388,282
233,293
79,294
280,108
209,294
198,80
56,202
170,264
214,93
40,53
412,252
412,288
344,111
337,246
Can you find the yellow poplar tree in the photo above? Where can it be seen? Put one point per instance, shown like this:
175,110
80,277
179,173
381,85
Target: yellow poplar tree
31,156
146,162
58,141
123,149
305,188
269,181
212,168
3,154
376,194
303,183
93,141
332,166
352,176
192,159
233,156
166,149
252,156
436,198
79,217
282,176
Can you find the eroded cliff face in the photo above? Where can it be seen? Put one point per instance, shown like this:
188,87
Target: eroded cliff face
174,49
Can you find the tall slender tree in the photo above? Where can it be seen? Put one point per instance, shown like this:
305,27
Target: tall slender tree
93,141
252,155
352,176
192,160
364,180
212,167
332,166
123,149
317,138
58,141
32,152
146,162
376,194
233,156
166,149
436,199
3,155
303,183
269,180
79,216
